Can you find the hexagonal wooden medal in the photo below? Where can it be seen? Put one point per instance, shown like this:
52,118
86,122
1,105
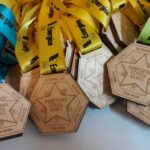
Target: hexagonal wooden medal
140,111
124,31
93,77
14,110
28,81
13,77
129,73
58,104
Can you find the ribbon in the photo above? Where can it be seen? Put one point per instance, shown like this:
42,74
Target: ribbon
7,33
138,11
144,36
26,46
62,20
8,3
44,26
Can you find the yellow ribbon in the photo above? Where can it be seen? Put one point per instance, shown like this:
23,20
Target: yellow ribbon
26,49
8,3
85,37
138,11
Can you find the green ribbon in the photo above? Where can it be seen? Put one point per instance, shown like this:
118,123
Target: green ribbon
144,37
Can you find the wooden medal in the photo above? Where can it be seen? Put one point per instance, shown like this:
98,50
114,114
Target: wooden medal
28,82
13,77
129,73
14,110
124,31
75,63
58,104
93,77
140,111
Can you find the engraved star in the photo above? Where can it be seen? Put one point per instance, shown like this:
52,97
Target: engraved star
137,74
56,104
6,111
95,79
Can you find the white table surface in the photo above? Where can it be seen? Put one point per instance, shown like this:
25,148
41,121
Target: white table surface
111,128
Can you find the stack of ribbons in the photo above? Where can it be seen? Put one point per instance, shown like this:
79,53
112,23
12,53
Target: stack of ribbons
39,40
63,17
41,30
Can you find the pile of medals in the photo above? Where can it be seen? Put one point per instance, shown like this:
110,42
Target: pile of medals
70,53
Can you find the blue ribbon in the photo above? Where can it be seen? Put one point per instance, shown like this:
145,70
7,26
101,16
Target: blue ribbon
7,33
3,72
